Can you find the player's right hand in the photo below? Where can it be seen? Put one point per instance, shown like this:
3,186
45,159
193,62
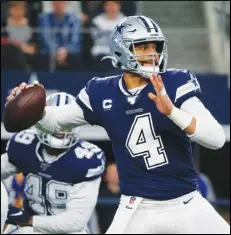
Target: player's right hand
21,87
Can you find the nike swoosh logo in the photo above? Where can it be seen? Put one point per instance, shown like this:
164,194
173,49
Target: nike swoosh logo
186,202
19,213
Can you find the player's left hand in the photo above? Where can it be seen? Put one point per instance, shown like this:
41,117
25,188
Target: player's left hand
18,216
161,99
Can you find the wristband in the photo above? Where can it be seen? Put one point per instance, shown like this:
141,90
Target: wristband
180,118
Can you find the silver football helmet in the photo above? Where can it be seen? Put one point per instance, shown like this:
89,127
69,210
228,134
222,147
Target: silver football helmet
65,139
132,30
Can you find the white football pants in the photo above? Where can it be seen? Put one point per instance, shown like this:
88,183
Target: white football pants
4,206
188,214
12,229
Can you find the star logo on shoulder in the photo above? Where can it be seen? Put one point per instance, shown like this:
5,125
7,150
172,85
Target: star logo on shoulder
194,81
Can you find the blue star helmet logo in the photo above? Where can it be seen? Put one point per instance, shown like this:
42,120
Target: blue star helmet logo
122,26
194,81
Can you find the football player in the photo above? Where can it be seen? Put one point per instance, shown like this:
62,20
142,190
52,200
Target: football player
15,189
62,176
151,115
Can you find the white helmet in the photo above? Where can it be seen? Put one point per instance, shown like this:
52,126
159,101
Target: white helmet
132,30
66,138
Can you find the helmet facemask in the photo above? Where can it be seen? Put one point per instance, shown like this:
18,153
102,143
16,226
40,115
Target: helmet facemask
61,140
66,138
158,59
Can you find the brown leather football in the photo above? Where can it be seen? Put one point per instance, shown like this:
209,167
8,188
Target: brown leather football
25,109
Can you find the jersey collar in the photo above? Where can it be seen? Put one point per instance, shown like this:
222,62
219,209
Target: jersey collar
124,89
40,156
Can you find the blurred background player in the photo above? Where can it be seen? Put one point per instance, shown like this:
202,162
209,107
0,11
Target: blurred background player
62,177
15,188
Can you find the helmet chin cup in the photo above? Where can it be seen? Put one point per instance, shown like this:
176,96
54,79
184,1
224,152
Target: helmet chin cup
54,142
69,139
66,138
150,69
146,72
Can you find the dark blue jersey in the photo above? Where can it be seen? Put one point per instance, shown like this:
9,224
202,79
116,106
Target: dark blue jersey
47,183
153,155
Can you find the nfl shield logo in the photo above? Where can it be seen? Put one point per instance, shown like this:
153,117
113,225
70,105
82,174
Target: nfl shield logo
132,200
44,166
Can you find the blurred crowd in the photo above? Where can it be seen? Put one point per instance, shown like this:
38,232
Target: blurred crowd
59,35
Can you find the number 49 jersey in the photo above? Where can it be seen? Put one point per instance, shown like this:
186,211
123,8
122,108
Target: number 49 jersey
47,184
154,156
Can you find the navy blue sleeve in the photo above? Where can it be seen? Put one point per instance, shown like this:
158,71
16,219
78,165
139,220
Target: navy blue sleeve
96,167
187,86
90,160
88,99
18,147
14,152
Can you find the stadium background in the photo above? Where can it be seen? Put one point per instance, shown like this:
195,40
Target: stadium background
199,40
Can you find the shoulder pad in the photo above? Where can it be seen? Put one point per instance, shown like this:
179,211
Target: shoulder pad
104,78
91,159
182,85
19,144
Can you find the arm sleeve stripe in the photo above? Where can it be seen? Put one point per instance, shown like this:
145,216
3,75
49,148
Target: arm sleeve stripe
182,90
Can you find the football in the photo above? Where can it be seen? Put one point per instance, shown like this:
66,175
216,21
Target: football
25,109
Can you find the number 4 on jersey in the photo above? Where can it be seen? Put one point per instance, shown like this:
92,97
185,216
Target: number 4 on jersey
142,141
